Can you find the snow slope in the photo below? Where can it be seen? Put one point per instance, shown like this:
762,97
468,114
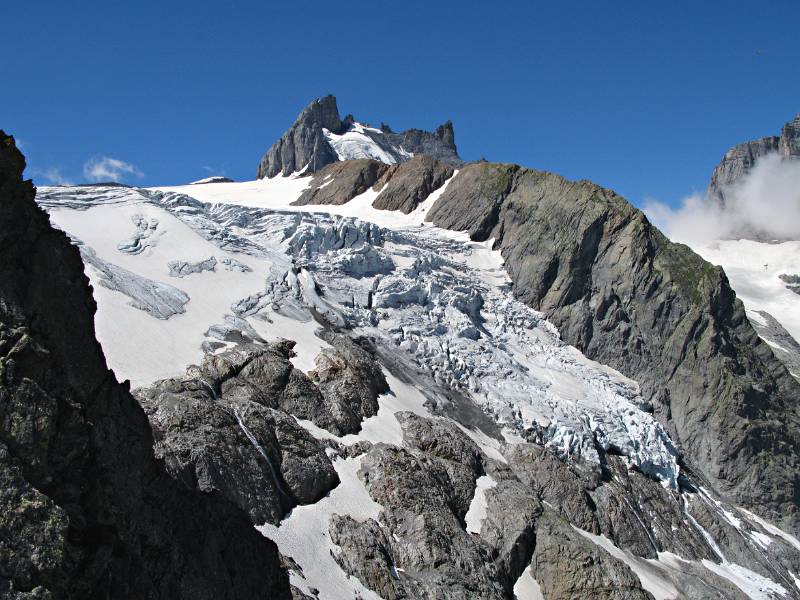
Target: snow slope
753,269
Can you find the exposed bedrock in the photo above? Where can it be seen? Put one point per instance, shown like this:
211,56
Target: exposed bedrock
405,186
568,566
87,510
350,380
627,297
340,182
217,433
420,546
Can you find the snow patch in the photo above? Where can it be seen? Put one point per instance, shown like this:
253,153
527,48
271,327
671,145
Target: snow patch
526,587
304,535
477,508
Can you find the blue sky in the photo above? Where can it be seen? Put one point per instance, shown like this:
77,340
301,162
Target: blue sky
642,97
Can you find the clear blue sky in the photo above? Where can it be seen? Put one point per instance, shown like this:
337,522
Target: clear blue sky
642,97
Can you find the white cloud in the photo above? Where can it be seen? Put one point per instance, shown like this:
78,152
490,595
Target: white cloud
105,168
765,202
52,176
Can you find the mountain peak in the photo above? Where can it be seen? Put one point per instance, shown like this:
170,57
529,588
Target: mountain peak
319,136
741,158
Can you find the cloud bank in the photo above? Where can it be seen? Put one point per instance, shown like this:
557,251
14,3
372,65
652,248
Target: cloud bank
105,168
765,204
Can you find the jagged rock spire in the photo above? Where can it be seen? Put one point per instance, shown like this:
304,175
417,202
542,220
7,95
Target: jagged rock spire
320,136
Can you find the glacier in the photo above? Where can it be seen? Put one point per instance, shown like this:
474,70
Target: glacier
429,297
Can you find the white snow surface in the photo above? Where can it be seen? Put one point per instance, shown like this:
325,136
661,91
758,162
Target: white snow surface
477,508
304,536
357,143
753,269
526,587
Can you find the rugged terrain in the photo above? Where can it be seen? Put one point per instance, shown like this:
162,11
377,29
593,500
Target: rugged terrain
427,379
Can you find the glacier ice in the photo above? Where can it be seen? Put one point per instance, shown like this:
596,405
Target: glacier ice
442,303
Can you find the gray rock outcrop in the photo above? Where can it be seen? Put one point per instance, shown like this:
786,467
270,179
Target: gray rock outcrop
405,186
215,431
350,380
782,343
340,182
568,566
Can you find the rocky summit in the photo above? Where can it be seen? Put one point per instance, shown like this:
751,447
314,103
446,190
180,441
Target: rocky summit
739,160
320,137
379,372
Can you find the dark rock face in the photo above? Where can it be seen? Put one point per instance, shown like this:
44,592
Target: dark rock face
408,184
792,282
425,501
740,159
619,291
340,182
216,433
305,146
421,549
367,555
87,511
783,345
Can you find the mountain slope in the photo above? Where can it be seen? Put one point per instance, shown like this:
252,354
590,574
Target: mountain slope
621,292
430,432
87,510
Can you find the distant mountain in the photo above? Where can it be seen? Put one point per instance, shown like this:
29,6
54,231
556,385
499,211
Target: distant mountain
741,158
319,137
